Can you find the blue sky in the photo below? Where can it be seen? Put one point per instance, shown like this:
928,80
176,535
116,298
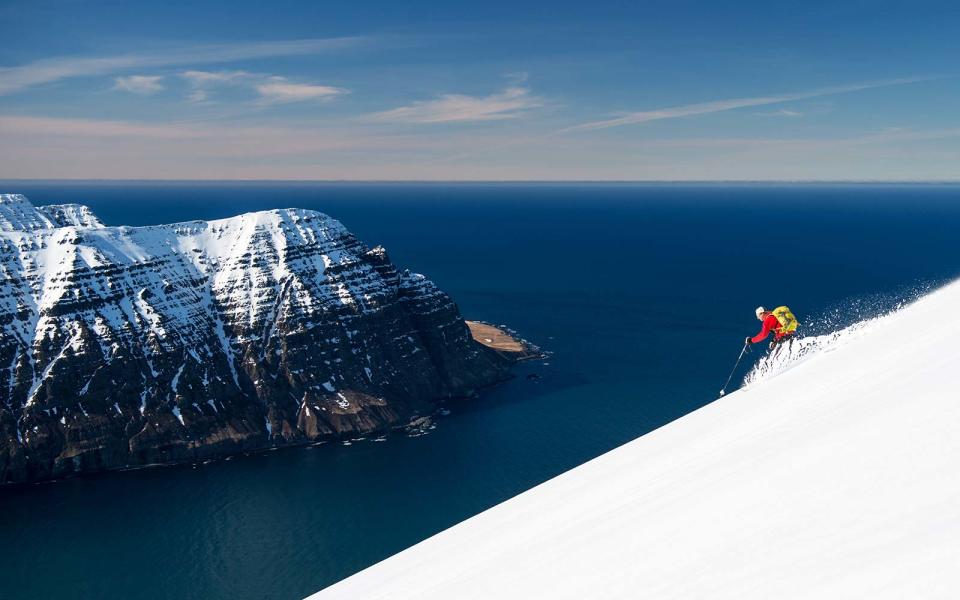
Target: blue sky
481,91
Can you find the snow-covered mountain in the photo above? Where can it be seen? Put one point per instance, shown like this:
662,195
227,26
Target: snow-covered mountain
122,346
830,477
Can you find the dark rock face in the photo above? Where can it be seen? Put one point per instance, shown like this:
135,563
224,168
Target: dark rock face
126,346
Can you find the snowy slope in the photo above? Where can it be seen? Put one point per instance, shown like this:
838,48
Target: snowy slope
837,478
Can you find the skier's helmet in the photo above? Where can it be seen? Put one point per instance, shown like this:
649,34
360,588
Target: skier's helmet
760,311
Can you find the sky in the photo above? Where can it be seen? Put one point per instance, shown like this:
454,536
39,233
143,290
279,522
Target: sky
494,90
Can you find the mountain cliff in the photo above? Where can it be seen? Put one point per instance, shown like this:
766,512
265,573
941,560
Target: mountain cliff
127,346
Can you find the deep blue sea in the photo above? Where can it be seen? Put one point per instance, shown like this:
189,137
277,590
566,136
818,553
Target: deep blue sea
643,292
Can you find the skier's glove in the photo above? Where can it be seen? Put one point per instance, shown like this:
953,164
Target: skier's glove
748,341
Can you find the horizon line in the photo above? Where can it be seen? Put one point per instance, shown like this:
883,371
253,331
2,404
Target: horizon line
494,181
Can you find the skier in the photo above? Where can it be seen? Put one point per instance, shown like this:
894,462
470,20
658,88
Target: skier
780,321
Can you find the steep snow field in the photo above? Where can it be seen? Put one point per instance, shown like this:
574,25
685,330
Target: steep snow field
837,478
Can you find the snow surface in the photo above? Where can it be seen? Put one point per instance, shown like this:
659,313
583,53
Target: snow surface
836,478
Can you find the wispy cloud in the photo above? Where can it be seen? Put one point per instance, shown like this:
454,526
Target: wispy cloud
211,140
891,135
510,103
783,112
93,128
280,89
271,89
15,79
139,84
201,82
703,108
202,78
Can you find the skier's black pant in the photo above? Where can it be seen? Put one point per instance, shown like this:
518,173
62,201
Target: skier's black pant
778,344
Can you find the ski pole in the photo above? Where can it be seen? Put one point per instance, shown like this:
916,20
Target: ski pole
739,358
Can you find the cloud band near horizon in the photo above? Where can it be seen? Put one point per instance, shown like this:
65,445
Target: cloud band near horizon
703,108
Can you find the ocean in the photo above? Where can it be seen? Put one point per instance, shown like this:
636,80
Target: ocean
642,293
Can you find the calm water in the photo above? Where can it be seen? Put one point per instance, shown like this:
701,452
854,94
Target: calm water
644,293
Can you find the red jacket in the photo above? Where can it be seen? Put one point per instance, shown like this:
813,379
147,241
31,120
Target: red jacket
770,323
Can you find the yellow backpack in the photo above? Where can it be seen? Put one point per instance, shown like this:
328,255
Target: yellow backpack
788,322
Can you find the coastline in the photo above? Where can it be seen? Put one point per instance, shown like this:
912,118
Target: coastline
509,347
504,341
